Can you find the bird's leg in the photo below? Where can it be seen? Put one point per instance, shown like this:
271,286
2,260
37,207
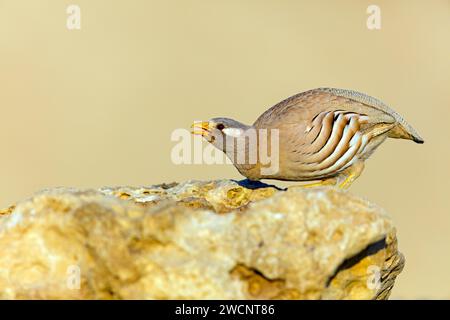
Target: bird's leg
346,177
343,180
326,182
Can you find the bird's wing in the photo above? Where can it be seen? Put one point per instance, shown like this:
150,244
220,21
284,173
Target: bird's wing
306,106
323,132
380,111
303,107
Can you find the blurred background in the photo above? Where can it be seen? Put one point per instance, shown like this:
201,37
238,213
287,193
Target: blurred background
96,106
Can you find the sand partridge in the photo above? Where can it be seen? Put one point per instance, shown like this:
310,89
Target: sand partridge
323,134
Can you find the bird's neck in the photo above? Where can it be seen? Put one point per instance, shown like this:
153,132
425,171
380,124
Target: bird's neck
243,149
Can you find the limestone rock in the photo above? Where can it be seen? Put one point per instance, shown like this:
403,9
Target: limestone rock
197,240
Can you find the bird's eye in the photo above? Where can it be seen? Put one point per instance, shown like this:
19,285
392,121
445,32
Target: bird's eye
220,126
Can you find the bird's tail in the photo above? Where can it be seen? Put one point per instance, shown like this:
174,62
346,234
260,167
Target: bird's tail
405,131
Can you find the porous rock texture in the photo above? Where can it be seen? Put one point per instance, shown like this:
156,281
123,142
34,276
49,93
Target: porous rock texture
197,240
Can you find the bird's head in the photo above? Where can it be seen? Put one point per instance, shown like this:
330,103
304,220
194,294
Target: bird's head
217,130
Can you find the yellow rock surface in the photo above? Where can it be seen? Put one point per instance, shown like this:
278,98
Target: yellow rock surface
197,240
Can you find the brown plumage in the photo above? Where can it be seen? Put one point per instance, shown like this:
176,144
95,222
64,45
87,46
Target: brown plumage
323,134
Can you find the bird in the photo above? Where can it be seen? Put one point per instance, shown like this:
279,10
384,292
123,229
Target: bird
323,135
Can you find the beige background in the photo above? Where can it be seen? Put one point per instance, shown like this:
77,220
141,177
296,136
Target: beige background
96,107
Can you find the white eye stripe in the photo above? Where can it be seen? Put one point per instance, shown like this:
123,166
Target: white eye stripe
233,132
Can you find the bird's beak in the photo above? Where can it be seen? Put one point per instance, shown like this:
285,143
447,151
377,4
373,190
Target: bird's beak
200,128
